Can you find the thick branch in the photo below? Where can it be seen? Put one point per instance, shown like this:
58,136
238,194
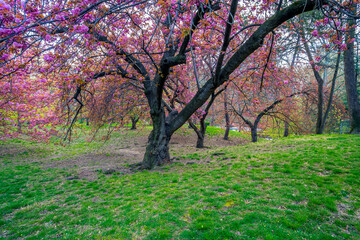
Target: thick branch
253,43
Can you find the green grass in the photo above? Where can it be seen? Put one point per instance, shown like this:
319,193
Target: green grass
297,188
212,131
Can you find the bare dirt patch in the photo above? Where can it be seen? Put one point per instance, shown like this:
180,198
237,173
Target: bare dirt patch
118,155
10,150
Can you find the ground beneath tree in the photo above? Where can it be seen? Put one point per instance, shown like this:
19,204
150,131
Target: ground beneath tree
117,155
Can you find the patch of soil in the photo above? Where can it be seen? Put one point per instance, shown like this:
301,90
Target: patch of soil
10,150
118,156
189,140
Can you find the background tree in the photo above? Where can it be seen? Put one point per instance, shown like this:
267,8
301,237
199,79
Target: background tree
350,75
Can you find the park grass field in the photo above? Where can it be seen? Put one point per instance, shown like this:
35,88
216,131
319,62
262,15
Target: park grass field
301,187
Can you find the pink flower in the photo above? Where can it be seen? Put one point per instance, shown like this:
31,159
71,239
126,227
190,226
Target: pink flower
343,47
4,6
75,11
4,56
48,38
318,58
18,45
4,31
315,33
60,17
19,29
81,29
351,40
48,58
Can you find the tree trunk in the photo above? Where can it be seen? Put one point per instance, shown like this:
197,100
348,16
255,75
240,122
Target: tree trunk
18,123
199,132
254,133
200,141
157,150
351,81
134,120
201,137
227,119
286,129
320,107
320,85
331,95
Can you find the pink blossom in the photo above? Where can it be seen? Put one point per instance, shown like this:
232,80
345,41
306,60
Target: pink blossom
18,45
60,17
4,56
48,38
4,6
81,29
315,33
4,31
19,29
343,47
75,11
48,58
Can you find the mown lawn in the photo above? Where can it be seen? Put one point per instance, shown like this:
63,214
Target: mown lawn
297,188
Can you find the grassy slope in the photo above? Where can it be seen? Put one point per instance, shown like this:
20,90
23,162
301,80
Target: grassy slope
295,188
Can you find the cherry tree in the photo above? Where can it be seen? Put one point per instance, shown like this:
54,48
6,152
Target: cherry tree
141,42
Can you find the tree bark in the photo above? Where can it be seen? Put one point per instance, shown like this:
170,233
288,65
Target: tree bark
350,79
286,129
199,132
254,133
157,149
201,137
320,86
331,95
18,123
320,104
227,119
134,120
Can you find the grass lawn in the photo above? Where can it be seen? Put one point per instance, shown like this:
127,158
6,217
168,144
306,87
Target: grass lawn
304,187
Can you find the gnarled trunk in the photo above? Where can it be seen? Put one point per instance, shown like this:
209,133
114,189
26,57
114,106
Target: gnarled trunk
134,120
201,136
199,132
286,130
157,150
254,133
200,142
